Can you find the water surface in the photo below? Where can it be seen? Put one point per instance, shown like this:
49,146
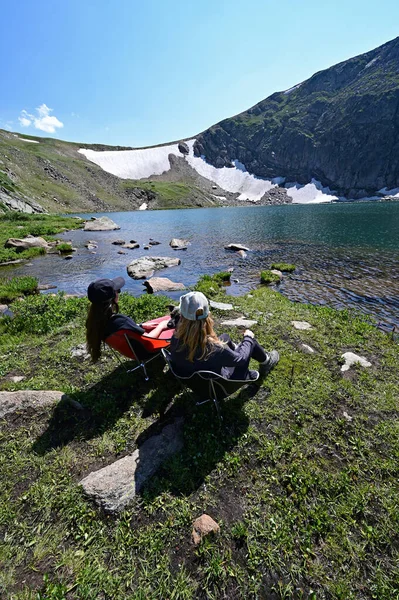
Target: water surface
347,255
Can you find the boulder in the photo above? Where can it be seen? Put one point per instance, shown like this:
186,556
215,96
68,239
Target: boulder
118,242
24,244
114,487
178,244
11,402
144,267
236,247
353,359
183,148
202,527
100,224
162,284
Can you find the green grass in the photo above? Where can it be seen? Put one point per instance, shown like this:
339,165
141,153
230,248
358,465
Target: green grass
10,289
267,277
283,267
6,182
306,498
19,225
213,285
64,248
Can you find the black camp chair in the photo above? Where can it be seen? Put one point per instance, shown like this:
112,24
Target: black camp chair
207,385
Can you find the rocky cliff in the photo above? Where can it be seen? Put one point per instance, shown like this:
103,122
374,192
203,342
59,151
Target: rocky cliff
339,127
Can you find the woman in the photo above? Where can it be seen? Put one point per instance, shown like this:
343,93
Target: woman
196,347
104,319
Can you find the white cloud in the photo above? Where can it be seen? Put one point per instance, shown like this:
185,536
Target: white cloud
43,121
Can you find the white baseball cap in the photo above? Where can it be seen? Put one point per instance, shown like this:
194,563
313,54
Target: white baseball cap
192,302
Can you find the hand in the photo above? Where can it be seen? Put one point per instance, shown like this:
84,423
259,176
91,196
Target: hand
249,333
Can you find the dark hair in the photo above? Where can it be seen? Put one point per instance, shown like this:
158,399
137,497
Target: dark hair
96,322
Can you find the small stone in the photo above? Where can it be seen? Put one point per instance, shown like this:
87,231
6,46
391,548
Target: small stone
69,257
240,322
153,242
46,286
302,325
202,527
353,359
17,378
178,244
146,247
277,272
221,305
80,352
121,252
347,417
118,242
131,245
236,247
242,253
307,349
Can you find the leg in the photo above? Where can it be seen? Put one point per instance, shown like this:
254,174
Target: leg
224,337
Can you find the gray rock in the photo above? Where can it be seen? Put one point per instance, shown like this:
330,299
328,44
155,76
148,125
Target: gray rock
153,243
277,272
121,252
353,359
240,322
221,305
28,242
242,253
162,284
14,262
131,245
178,244
100,224
17,378
118,242
236,247
144,267
11,402
80,351
301,325
69,257
306,349
183,148
46,286
114,487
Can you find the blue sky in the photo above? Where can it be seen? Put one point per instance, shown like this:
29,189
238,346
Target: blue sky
141,73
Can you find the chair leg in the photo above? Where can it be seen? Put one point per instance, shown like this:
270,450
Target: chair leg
145,371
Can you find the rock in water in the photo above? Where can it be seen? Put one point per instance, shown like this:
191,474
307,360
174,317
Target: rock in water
178,244
101,224
144,267
114,486
236,247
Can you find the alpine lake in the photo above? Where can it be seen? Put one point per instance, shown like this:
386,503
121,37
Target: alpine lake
346,254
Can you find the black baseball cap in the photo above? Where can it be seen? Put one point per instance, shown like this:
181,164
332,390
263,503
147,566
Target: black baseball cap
104,290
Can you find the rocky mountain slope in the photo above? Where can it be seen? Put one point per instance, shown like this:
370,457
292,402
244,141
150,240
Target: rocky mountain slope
334,136
339,127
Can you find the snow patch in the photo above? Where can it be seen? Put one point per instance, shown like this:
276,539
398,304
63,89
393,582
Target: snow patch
25,140
311,193
235,179
134,164
295,87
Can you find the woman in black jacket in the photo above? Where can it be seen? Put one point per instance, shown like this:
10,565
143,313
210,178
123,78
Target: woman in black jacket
196,347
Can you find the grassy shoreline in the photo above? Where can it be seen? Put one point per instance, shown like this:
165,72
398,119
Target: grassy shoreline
306,497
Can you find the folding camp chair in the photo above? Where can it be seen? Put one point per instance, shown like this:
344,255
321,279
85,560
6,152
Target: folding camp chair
207,385
133,344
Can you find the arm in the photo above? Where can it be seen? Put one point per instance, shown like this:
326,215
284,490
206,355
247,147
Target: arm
154,333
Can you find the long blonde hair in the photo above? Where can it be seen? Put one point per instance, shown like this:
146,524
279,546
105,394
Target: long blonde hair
96,322
194,335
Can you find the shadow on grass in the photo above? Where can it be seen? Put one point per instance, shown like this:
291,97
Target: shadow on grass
105,402
206,442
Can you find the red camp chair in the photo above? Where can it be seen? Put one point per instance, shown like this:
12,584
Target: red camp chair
133,344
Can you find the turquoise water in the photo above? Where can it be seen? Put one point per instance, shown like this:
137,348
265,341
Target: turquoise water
346,254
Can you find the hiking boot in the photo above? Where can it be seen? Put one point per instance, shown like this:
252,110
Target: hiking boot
270,362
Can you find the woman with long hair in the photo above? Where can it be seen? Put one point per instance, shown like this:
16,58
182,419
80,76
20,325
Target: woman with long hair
195,346
103,318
